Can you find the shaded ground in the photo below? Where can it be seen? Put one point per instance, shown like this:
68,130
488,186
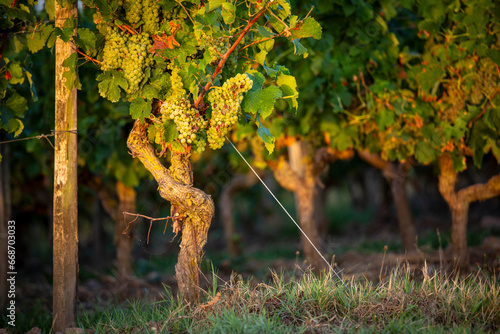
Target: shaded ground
98,291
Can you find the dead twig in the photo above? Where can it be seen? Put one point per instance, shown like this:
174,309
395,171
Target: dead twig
151,220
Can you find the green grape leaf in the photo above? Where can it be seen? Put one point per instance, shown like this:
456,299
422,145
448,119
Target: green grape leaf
140,109
266,45
152,134
266,137
213,4
207,18
50,8
71,74
68,29
260,57
51,41
261,101
17,104
493,145
424,152
458,161
288,86
150,91
228,12
110,83
265,31
494,55
427,77
16,13
15,125
341,99
277,24
16,71
16,43
177,147
104,7
345,137
156,87
34,95
86,39
267,99
285,6
299,49
170,131
307,28
384,118
37,40
11,109
492,119
257,80
270,71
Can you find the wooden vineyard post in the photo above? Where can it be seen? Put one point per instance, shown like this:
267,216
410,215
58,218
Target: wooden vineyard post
65,226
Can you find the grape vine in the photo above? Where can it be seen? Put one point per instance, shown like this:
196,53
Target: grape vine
186,68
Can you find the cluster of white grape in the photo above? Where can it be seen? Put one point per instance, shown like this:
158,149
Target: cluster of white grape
216,46
136,59
225,102
176,80
147,10
115,43
150,16
188,121
133,10
128,53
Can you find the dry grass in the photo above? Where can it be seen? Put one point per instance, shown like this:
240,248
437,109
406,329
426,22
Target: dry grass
307,304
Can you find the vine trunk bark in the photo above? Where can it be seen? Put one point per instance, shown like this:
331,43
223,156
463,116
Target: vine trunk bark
65,218
395,175
459,202
305,202
299,175
192,209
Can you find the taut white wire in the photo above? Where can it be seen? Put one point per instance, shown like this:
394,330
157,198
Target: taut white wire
293,220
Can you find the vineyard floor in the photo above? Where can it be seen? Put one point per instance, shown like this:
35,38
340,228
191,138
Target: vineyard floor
364,264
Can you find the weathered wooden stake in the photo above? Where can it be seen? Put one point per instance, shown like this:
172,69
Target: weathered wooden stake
65,226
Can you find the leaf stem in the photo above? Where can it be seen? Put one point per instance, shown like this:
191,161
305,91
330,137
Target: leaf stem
225,57
187,13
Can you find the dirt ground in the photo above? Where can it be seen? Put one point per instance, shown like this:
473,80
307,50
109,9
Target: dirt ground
104,290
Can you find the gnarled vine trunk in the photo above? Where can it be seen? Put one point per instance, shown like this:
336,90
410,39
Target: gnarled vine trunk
306,202
397,181
459,202
192,206
301,180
